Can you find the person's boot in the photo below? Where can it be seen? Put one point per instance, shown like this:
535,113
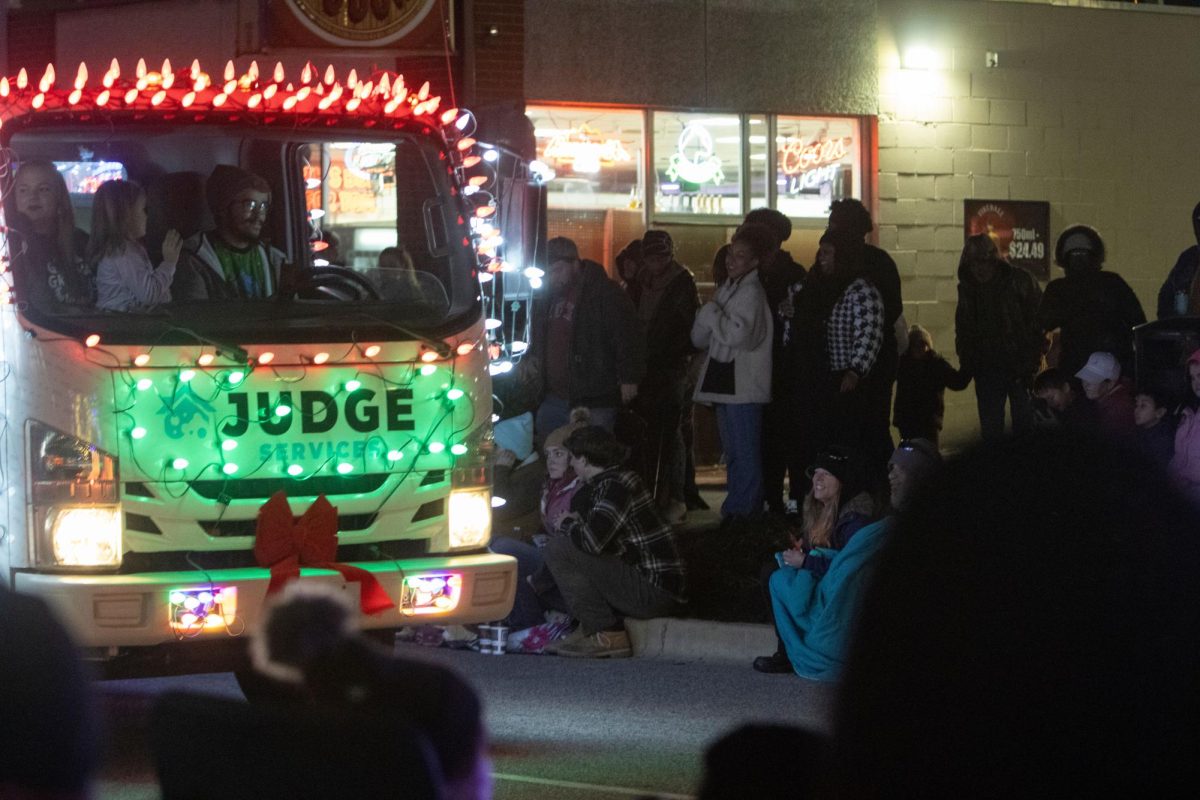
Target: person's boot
603,644
775,664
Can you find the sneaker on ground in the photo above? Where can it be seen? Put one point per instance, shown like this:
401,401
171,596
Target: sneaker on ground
605,644
534,640
676,512
572,637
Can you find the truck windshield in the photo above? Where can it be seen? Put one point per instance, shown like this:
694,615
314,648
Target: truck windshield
279,234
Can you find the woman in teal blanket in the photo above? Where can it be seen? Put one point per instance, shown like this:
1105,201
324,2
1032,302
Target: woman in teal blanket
814,611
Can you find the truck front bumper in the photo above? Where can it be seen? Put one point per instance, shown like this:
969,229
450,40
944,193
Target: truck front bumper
145,609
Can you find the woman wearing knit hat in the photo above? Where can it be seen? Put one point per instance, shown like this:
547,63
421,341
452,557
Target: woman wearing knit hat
814,613
835,509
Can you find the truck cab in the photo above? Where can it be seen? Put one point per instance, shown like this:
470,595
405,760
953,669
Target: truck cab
141,446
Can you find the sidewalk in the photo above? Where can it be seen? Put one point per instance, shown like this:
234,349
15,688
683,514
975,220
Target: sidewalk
698,639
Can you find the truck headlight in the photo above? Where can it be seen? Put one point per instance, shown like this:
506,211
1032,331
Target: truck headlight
85,537
470,518
73,492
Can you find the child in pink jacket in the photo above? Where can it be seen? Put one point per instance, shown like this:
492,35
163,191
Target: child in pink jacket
1185,465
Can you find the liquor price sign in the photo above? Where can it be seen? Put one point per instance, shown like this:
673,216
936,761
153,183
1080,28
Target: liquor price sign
1020,229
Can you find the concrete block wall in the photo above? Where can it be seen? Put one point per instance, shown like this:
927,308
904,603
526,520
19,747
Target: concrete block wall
1089,108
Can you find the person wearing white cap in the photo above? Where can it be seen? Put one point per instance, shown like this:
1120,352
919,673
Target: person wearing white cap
1102,383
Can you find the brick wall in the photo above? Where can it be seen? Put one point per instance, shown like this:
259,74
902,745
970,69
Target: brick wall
499,39
1090,109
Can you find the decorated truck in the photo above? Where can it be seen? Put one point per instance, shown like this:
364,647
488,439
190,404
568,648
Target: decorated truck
165,469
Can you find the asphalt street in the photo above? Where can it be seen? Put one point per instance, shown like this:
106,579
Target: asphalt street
560,728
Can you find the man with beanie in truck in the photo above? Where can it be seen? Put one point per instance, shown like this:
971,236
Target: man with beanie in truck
231,261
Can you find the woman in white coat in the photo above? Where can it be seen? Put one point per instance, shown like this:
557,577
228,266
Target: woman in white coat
735,329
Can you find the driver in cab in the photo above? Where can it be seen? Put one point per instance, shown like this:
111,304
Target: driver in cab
230,262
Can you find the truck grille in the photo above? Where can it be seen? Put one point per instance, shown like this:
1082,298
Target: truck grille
232,559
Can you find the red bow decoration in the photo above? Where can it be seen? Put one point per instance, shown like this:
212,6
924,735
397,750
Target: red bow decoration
285,543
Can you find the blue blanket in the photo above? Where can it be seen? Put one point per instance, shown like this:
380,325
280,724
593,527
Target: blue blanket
815,614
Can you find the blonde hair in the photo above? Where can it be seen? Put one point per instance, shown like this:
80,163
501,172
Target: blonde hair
112,218
917,333
819,519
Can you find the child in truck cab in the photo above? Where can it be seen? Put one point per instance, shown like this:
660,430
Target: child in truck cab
125,278
49,256
231,261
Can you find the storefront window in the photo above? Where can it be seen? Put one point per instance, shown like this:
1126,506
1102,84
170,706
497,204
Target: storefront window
697,163
817,160
759,163
592,157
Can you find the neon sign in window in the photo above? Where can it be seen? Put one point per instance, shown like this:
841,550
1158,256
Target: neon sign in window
817,160
697,163
589,158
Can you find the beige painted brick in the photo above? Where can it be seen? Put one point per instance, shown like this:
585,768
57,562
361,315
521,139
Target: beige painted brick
887,104
947,291
906,262
989,137
1042,164
952,187
898,212
916,187
919,290
1043,113
1099,191
887,212
1008,164
888,186
935,162
887,236
956,83
935,264
934,212
1072,164
936,315
1026,137
916,237
971,163
898,159
1007,112
888,133
952,135
949,237
934,109
989,84
1061,140
985,187
1061,190
973,110
1021,187
914,134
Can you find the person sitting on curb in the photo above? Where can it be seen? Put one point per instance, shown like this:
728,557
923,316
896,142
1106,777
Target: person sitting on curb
1156,425
536,618
1104,386
618,557
835,510
814,614
1068,409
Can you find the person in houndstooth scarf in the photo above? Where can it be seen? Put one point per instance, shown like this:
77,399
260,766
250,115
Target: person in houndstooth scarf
854,331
